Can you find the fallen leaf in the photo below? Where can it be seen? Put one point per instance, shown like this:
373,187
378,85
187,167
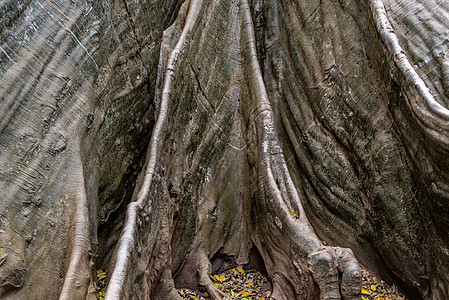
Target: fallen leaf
216,285
245,293
222,278
294,215
364,298
241,271
262,298
365,292
373,288
232,294
216,278
249,284
101,277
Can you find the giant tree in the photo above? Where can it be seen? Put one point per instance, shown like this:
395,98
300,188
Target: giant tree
163,138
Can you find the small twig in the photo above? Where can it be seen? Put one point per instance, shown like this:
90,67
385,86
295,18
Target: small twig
65,16
434,68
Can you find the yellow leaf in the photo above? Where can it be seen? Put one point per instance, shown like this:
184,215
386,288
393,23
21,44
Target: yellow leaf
101,277
294,215
262,298
212,277
102,294
232,294
380,298
216,285
216,278
244,294
222,278
373,288
100,272
241,271
365,292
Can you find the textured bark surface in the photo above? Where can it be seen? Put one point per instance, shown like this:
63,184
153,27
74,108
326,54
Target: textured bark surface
155,138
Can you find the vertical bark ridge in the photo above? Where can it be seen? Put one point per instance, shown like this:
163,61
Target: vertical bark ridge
278,209
126,243
423,105
77,278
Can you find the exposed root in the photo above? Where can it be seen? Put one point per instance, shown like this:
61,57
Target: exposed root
286,240
280,198
278,291
351,273
204,272
322,265
325,266
167,288
127,242
77,278
12,258
432,115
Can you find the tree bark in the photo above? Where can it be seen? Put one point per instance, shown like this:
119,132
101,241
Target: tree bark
152,138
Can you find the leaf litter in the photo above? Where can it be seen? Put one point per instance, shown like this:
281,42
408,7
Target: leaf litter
100,284
374,288
249,284
236,283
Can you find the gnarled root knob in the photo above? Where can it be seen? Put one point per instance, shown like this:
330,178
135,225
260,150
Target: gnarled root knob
330,263
351,278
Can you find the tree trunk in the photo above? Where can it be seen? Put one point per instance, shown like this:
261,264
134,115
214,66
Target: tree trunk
153,138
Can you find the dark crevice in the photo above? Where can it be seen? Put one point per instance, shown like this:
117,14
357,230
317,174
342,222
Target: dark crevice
199,84
133,26
256,261
109,230
260,23
222,262
312,14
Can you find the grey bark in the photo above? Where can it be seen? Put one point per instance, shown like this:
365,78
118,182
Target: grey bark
153,137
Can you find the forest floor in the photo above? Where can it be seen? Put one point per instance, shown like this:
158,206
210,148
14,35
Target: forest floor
247,284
